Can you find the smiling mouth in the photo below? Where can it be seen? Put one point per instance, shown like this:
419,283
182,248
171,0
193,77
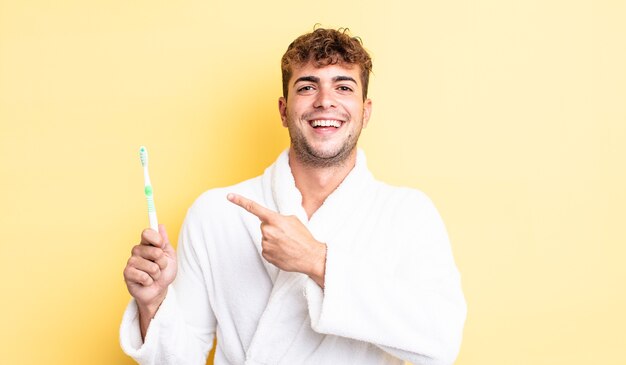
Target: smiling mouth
325,123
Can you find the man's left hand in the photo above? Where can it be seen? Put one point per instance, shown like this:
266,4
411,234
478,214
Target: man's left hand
286,242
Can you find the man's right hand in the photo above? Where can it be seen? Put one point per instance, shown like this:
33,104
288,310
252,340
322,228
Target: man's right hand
151,268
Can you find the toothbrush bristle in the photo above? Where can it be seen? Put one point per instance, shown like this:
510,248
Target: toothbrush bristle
143,155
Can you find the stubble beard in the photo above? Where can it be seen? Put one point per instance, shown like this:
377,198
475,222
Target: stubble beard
311,157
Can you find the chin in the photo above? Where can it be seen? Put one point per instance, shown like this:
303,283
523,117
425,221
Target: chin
324,157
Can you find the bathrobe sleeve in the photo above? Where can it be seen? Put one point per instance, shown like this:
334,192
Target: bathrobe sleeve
183,328
399,290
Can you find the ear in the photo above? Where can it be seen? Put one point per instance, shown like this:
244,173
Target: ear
367,111
282,109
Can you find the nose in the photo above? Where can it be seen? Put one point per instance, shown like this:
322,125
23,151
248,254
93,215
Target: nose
324,99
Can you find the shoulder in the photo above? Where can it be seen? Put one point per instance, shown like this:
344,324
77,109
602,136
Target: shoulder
403,197
213,202
406,208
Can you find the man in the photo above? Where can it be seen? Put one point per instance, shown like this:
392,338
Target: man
342,270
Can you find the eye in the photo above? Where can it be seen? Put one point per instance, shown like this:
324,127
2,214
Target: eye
305,89
345,88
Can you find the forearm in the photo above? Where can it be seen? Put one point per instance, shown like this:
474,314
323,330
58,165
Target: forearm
145,317
170,339
419,307
146,313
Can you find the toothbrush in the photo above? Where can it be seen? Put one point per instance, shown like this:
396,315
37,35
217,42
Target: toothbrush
143,155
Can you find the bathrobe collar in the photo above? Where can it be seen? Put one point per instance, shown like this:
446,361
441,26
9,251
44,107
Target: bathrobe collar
338,205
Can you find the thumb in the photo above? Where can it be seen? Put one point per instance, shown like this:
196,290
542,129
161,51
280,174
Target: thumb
163,233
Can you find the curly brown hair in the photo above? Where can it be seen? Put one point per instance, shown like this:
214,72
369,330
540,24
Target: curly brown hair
326,47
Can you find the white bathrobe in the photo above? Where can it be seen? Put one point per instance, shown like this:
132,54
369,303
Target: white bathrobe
392,290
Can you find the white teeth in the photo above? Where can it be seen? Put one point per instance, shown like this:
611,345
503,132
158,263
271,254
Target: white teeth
326,123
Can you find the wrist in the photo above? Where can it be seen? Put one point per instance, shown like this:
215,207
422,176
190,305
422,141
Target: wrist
318,266
149,309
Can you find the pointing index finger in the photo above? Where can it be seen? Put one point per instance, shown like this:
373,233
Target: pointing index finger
251,206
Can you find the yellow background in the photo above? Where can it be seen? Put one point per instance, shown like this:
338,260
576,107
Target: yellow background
510,114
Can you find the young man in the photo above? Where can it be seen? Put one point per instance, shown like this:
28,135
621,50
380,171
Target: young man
343,269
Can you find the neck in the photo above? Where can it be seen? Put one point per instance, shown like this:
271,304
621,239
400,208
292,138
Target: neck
317,183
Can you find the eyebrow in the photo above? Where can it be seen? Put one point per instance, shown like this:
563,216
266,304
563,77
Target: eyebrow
343,78
307,79
316,79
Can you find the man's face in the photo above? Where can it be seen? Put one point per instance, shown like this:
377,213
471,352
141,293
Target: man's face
324,112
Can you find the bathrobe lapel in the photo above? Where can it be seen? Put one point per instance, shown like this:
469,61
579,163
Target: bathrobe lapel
286,314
